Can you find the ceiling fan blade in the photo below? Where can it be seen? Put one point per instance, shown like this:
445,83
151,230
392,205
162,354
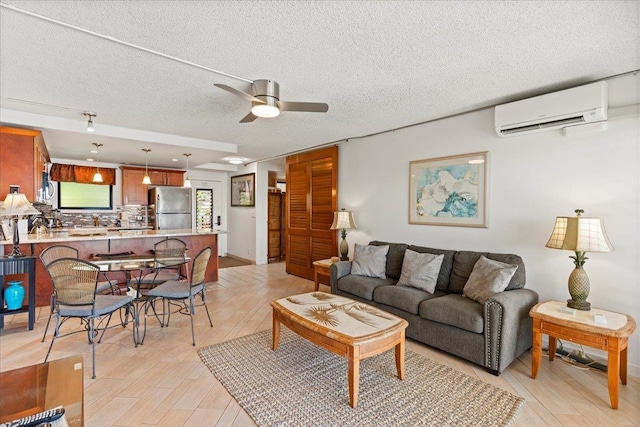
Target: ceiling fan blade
248,118
239,93
310,107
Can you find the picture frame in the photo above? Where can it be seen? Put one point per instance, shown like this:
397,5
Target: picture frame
243,190
450,191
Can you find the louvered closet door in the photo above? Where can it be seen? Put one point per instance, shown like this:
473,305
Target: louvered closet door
312,197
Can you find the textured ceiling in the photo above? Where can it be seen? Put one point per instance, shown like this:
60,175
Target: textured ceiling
379,65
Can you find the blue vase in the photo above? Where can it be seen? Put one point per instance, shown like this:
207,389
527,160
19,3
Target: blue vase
14,295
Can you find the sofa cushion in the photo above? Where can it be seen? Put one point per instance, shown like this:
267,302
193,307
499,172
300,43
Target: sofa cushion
420,270
370,261
454,310
395,257
362,286
445,268
464,261
487,279
403,297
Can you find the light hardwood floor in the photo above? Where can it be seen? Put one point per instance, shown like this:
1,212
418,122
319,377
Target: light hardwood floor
164,383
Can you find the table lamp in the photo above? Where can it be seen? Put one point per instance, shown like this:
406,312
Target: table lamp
15,206
343,221
581,235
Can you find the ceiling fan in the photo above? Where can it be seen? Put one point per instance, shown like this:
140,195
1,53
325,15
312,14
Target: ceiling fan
265,101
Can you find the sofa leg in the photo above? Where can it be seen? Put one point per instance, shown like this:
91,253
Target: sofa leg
493,372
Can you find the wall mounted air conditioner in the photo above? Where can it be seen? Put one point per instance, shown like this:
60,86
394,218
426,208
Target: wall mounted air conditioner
557,110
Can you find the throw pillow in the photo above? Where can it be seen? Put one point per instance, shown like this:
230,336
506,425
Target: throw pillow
420,270
369,261
487,278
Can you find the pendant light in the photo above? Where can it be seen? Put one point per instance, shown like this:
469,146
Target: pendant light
187,183
97,177
91,115
146,180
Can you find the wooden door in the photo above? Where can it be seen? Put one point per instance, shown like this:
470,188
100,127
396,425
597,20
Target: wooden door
312,197
274,219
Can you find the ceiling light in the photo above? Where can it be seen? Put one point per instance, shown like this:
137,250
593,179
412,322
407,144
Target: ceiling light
91,115
146,180
97,177
236,160
265,110
187,183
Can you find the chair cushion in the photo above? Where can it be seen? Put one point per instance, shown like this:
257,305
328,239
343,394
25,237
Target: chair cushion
420,270
104,304
403,297
488,278
445,268
105,286
370,261
395,257
161,277
362,286
454,310
464,261
174,289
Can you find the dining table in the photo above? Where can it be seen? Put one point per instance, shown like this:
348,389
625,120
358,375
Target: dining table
135,268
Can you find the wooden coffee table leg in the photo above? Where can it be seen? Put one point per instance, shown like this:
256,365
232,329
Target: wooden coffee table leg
275,331
623,363
553,345
400,357
354,375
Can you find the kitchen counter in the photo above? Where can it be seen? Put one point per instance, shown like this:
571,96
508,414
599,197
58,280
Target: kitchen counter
113,233
139,242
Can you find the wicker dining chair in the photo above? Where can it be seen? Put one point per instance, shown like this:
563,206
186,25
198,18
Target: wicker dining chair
183,292
55,252
75,283
169,257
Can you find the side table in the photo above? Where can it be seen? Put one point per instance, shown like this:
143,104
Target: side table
581,328
321,268
9,266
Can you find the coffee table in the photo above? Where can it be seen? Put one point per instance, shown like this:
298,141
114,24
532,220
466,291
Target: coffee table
348,328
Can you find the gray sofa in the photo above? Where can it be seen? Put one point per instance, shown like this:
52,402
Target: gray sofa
492,334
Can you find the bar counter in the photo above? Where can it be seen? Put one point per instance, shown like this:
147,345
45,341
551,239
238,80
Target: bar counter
140,242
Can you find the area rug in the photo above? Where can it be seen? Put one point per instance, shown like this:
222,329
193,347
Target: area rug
302,384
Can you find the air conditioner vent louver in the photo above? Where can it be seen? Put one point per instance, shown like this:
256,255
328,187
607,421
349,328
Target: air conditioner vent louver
557,110
541,126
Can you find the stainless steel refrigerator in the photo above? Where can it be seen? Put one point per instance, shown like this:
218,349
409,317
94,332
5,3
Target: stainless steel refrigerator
170,208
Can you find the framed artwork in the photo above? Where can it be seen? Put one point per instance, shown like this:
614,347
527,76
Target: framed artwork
449,190
243,190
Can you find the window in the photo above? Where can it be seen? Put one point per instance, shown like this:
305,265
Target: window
72,195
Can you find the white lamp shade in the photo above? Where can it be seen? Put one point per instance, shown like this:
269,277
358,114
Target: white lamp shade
146,180
579,234
16,204
343,220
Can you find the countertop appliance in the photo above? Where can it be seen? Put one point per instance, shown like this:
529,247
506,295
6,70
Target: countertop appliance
170,208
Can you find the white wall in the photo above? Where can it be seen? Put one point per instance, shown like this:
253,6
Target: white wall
532,179
241,238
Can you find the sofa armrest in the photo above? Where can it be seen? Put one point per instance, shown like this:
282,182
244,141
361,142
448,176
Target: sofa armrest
508,327
336,271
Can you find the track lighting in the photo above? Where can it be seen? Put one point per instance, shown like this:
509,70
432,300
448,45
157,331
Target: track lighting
187,183
97,177
146,180
91,115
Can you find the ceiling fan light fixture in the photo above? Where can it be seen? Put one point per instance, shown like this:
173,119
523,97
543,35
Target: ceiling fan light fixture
265,110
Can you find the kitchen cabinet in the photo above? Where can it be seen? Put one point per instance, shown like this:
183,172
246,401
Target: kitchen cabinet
134,192
23,159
